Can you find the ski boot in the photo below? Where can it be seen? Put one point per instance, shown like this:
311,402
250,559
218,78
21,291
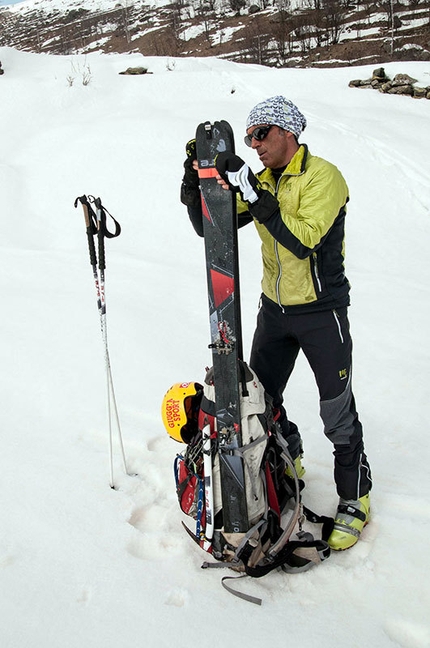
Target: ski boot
351,518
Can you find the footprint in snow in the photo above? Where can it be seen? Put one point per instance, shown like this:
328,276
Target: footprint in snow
156,536
177,597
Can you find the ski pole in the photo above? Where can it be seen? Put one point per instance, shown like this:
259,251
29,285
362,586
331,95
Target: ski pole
101,233
96,224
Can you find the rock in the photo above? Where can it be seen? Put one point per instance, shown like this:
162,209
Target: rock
379,74
420,93
403,79
384,87
401,90
402,84
136,70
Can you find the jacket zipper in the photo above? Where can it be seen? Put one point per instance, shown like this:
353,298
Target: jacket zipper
275,242
337,320
278,280
316,271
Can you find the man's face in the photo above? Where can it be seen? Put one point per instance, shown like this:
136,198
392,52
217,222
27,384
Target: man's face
276,149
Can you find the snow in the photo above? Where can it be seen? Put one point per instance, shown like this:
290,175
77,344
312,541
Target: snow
85,565
24,6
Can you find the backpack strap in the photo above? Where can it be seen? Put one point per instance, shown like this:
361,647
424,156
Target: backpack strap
235,592
295,556
245,376
327,522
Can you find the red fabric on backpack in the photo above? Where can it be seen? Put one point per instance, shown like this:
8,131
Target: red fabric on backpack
187,484
272,498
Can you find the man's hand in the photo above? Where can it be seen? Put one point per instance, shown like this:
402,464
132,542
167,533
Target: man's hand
191,177
237,176
190,191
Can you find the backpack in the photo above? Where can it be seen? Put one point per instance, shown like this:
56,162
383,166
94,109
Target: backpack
275,538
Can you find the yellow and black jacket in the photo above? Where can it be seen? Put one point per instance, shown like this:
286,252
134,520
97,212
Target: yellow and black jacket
303,237
303,240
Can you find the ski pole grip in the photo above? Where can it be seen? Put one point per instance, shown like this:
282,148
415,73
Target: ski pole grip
86,215
90,229
91,246
102,262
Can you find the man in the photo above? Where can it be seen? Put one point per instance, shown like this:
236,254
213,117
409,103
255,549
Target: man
298,204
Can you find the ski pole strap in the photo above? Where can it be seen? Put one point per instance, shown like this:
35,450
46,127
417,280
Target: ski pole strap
97,222
101,218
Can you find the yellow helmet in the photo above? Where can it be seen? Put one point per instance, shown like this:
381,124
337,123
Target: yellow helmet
179,410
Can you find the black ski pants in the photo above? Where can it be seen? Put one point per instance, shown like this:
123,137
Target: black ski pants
325,339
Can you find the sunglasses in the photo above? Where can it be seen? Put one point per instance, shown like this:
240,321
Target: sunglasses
258,133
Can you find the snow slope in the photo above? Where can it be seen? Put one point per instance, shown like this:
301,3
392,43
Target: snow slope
82,564
23,6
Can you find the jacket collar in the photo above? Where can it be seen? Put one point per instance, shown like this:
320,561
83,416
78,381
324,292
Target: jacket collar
297,164
295,167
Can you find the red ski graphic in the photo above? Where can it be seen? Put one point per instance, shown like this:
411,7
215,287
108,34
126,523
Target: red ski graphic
205,210
222,286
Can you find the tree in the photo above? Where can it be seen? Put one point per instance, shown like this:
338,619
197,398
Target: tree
334,19
237,5
280,31
389,8
207,16
256,43
302,31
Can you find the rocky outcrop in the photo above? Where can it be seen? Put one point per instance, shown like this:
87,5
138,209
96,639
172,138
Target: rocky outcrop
136,70
401,84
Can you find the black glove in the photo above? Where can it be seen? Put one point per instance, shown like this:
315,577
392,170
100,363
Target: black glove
239,177
190,188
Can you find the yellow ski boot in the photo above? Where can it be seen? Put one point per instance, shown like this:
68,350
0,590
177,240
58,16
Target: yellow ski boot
351,518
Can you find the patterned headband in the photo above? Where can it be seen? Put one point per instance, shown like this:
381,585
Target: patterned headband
278,111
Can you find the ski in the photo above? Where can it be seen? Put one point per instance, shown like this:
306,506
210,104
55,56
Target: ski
220,236
209,498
